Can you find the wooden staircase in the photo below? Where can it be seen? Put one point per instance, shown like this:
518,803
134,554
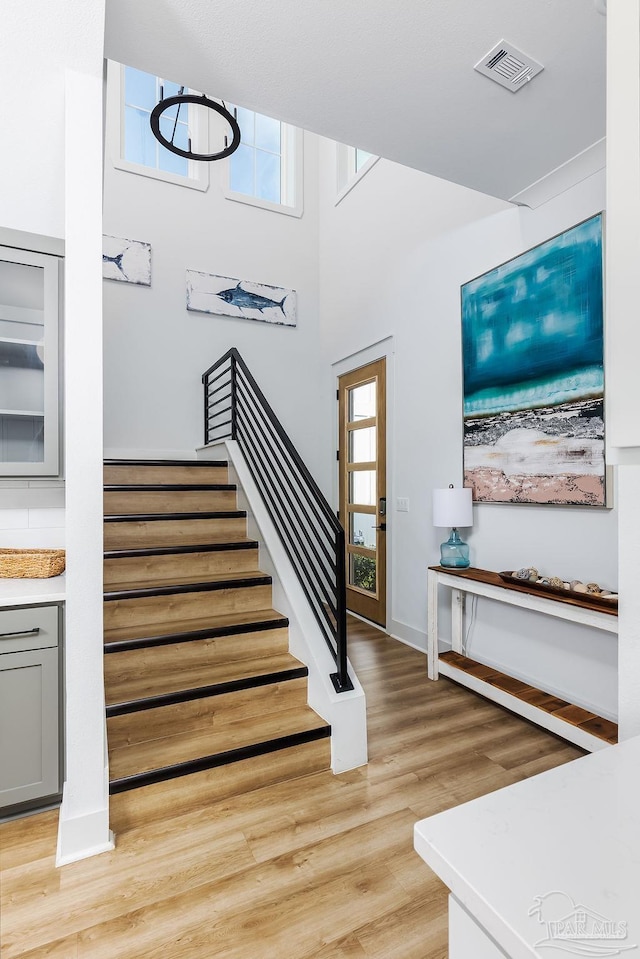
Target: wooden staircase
198,675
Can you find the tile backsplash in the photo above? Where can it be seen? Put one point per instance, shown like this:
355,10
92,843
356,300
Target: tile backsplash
32,514
32,528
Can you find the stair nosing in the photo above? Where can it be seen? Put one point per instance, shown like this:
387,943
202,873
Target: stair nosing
151,517
235,582
204,692
176,770
213,632
169,487
198,463
171,550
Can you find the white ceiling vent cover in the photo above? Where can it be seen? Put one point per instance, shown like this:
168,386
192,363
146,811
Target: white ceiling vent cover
508,66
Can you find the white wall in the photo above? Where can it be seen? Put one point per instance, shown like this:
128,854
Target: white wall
156,351
393,255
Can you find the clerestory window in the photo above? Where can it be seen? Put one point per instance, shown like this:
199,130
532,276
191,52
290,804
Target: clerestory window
136,93
351,165
266,169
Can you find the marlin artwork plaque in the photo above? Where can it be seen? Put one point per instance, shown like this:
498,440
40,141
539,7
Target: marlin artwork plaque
533,375
128,261
225,296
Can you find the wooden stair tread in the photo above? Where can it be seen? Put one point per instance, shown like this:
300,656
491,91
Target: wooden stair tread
199,464
185,747
234,544
216,579
211,624
175,517
602,728
167,487
120,689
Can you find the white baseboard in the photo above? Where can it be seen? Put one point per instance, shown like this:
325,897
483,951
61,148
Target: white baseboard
407,642
83,836
409,635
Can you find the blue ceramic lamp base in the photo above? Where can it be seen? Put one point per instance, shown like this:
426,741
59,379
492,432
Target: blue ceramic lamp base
454,553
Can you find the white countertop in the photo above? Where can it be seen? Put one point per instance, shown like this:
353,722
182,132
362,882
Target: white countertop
24,592
565,839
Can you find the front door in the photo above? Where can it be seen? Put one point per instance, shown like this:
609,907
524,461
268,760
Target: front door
363,503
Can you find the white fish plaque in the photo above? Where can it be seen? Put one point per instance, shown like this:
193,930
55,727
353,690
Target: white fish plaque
126,260
226,296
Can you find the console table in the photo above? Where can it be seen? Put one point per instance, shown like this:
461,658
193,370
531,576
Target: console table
578,725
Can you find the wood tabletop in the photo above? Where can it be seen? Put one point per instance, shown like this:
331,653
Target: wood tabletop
493,579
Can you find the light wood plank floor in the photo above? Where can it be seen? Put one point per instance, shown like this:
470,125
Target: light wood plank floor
319,868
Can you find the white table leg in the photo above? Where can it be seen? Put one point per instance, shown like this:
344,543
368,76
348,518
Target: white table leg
457,619
432,624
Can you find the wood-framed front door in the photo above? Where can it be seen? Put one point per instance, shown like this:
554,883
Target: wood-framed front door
362,483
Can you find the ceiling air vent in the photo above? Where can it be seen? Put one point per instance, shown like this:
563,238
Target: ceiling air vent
508,66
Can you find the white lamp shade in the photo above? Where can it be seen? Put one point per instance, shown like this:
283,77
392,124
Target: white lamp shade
453,507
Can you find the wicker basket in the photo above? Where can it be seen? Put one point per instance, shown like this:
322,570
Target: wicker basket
31,563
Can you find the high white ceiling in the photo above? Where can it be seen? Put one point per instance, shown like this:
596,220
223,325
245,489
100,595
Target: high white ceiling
394,77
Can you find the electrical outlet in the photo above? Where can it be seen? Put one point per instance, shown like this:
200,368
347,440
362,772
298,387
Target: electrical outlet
402,504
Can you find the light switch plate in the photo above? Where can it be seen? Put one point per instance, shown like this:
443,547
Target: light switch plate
402,504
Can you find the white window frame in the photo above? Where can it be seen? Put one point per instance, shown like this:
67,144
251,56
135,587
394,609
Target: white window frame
198,177
346,174
291,177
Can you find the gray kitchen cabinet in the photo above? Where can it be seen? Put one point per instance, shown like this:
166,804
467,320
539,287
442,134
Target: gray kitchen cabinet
29,705
29,401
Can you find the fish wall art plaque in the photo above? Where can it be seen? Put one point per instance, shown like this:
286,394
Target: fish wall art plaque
225,296
126,260
533,376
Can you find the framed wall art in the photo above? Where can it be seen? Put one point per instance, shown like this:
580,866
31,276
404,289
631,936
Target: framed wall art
533,375
244,299
128,261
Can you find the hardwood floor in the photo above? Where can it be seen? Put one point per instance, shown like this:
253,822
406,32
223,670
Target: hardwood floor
321,867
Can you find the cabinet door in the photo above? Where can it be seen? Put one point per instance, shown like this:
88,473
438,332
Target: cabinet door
29,719
28,363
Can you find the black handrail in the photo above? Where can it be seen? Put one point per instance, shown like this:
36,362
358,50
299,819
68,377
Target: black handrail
310,532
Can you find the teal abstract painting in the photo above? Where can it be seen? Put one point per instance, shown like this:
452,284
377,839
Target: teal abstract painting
533,374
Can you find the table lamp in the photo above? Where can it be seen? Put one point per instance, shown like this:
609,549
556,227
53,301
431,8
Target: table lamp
454,508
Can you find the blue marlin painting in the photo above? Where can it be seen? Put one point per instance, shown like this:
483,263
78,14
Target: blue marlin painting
533,375
126,260
243,299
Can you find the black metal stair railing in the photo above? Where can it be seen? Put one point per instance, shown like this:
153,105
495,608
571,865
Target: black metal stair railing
312,536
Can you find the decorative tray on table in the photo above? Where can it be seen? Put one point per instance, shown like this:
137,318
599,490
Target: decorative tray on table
590,591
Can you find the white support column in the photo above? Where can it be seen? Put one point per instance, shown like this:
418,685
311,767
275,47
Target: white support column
84,815
622,248
622,233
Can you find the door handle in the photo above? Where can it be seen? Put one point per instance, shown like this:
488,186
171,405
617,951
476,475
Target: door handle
382,526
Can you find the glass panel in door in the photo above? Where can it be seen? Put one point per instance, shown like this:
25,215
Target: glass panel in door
362,402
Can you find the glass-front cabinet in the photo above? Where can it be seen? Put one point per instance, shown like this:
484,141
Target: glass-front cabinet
29,299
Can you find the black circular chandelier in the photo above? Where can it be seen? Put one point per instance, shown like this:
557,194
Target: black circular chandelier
203,101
